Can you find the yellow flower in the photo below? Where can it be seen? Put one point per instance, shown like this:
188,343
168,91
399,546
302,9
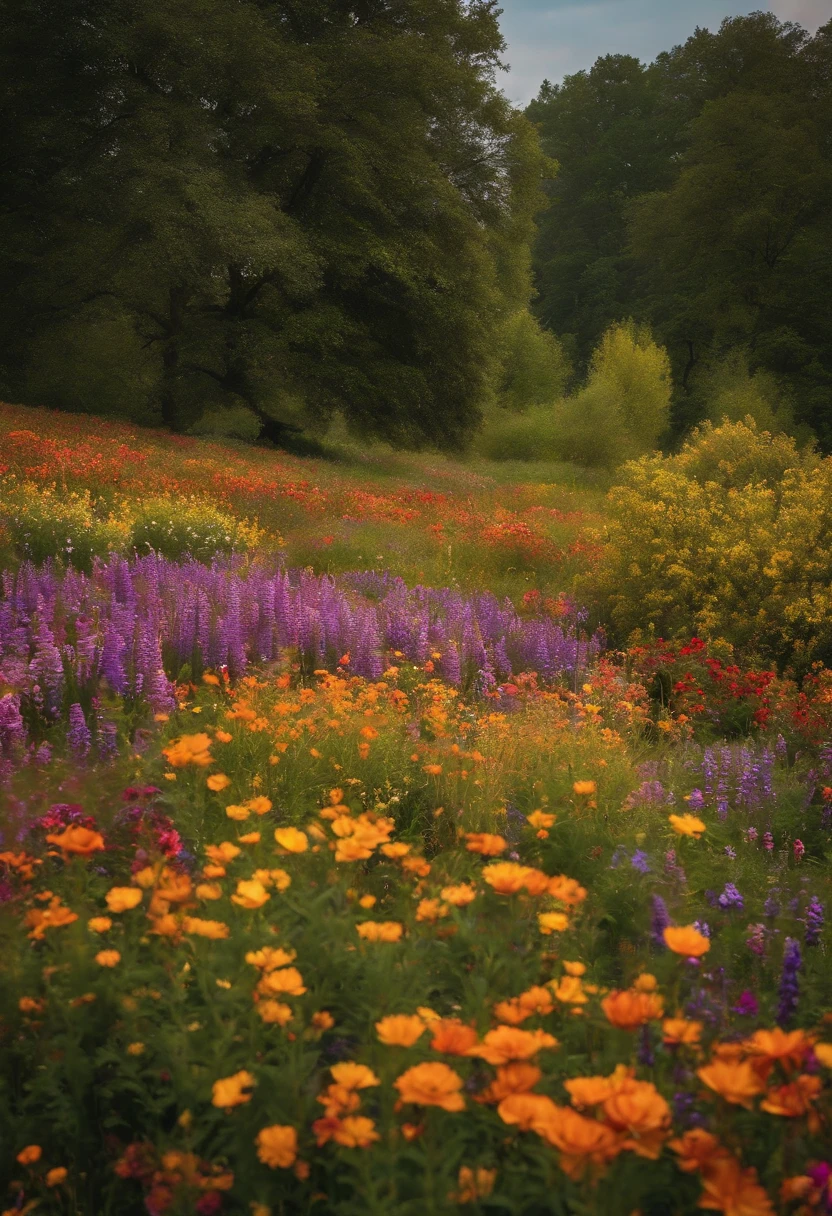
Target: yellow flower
687,825
233,1091
584,789
292,840
189,749
218,782
250,894
506,877
216,930
541,819
459,895
286,980
208,890
277,1146
121,899
261,805
823,1052
400,1030
108,958
135,1049
237,813
99,924
367,901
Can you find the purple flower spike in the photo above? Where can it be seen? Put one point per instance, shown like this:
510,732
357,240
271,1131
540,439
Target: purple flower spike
789,991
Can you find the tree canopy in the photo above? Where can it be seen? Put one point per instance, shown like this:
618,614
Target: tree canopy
695,193
270,209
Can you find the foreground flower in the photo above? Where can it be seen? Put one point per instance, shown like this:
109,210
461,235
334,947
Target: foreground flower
250,894
734,1080
639,1111
218,782
432,1084
356,1131
687,825
686,940
292,840
189,749
452,1037
77,841
277,1146
400,1030
583,1142
506,877
628,1009
552,922
380,930
728,1188
485,843
507,1043
354,1076
233,1091
786,1047
459,895
122,899
512,1079
696,1149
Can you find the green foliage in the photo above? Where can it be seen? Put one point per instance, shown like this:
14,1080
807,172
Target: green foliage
195,527
731,393
289,209
47,522
730,538
535,367
694,192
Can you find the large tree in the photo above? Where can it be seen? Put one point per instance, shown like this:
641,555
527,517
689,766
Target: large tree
293,206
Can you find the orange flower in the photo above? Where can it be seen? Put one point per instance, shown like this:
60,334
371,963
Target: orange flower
400,1030
730,1189
431,1084
507,1043
323,1020
526,1110
452,1036
233,1091
584,789
787,1047
592,1091
430,910
208,890
269,958
260,805
188,749
485,843
250,894
222,853
215,930
238,813
108,958
736,1081
794,1099
506,877
628,1009
518,1078
277,1146
687,825
696,1150
355,1131
459,895
121,899
541,819
287,980
433,770
292,840
354,1076
56,1176
351,849
78,842
823,1053
566,890
686,940
536,882
582,1142
218,782
99,924
395,850
274,1013
30,1154
569,990
678,1031
338,1101
380,930
640,1111
474,1184
552,922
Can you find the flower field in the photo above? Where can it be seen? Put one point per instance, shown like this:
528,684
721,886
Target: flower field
386,886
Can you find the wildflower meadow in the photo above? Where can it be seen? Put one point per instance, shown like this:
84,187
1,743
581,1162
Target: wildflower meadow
350,863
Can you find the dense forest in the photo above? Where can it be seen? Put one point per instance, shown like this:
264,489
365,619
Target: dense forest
249,219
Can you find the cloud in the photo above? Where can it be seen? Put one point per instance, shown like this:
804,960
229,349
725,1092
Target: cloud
809,13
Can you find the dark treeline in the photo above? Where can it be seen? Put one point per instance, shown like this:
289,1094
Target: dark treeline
695,194
266,209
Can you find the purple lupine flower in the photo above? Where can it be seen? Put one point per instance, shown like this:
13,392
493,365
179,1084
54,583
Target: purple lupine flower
771,907
696,800
814,921
702,926
646,1055
672,868
617,857
789,990
730,852
731,898
659,921
107,741
640,861
747,1005
78,735
12,726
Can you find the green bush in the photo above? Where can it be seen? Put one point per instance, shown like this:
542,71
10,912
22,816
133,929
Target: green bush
180,527
730,538
535,368
43,522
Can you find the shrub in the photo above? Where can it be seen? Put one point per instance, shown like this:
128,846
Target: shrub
535,368
179,527
732,536
532,435
43,521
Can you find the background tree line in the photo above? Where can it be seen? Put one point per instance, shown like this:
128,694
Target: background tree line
695,194
246,219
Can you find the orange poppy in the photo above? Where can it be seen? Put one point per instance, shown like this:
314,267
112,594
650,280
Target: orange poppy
526,1110
400,1030
507,1043
380,930
728,1188
517,1078
794,1099
121,899
686,940
782,1046
678,1031
474,1184
277,1146
452,1037
639,1111
485,843
696,1149
628,1009
234,1090
582,1142
354,1076
506,877
566,890
77,841
736,1081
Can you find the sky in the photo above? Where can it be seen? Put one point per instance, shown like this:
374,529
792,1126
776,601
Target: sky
551,38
